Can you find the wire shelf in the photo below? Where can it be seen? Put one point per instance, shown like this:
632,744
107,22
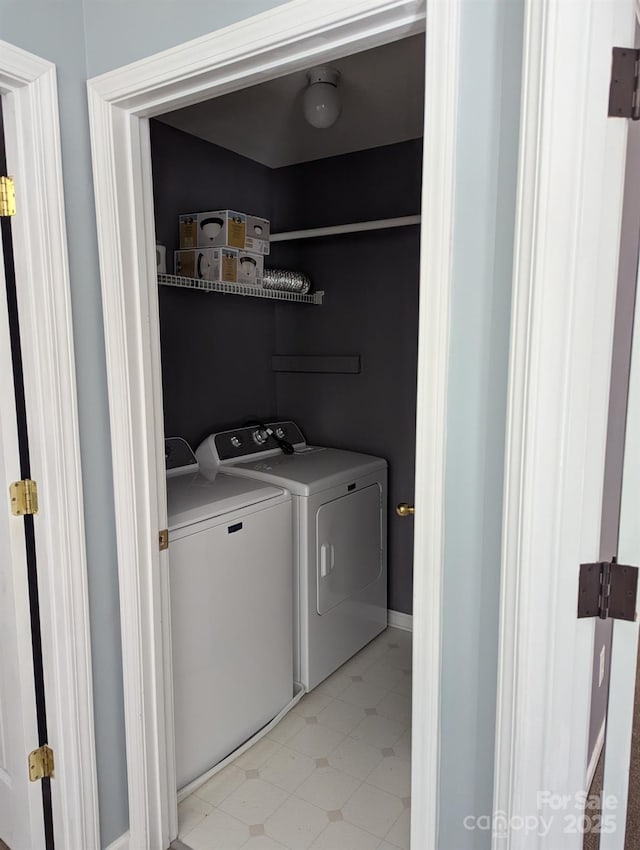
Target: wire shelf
239,289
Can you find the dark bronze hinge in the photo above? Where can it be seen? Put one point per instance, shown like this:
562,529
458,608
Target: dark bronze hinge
624,99
607,590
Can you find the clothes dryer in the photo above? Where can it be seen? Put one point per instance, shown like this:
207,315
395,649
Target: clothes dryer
339,536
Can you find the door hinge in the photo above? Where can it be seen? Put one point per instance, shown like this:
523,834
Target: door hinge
24,497
41,764
607,590
624,99
164,539
7,196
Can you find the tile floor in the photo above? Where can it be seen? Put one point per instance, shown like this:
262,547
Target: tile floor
334,774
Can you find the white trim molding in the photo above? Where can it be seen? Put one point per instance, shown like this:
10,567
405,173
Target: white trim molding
32,139
399,620
565,273
290,37
436,277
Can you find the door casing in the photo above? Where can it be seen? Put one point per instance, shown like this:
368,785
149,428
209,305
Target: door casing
32,141
290,37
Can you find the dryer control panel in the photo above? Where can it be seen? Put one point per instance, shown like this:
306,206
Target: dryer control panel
254,440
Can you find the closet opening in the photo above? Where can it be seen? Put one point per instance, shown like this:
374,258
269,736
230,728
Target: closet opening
289,370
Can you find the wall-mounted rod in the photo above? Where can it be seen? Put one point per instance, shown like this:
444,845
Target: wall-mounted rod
336,230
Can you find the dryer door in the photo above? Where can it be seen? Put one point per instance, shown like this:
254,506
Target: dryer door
349,546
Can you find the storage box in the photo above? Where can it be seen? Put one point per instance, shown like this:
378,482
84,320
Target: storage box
257,235
207,264
250,268
225,228
188,231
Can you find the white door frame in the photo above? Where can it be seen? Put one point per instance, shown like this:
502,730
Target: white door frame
571,182
32,141
288,38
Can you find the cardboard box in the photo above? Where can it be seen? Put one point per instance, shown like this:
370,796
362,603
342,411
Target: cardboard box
257,235
207,264
220,228
250,268
188,231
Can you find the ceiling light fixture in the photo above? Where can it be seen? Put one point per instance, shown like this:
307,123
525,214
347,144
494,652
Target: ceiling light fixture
322,104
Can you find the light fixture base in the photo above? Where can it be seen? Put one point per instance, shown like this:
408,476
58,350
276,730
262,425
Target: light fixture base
323,74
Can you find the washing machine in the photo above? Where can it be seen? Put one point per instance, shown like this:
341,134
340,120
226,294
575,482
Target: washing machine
339,536
230,567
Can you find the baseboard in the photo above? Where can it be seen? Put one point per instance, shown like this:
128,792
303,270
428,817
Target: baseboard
121,843
399,620
595,756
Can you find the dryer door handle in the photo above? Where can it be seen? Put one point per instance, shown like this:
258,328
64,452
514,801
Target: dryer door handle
327,559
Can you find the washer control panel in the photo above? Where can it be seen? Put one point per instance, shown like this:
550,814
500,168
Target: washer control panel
178,456
253,440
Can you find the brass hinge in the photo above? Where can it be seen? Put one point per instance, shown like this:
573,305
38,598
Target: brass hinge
164,539
24,497
41,764
7,196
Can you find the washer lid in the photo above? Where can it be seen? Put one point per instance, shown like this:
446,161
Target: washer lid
194,497
311,469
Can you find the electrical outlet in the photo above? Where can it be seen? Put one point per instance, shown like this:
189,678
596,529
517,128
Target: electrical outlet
603,653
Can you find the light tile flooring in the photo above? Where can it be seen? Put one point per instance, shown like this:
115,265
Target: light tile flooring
334,774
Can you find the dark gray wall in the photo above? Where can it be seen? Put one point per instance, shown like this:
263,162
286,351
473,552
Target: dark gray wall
378,183
216,350
370,309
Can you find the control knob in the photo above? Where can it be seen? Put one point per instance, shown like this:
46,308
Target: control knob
280,433
260,436
236,442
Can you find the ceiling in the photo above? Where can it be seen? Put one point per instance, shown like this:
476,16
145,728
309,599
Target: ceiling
382,93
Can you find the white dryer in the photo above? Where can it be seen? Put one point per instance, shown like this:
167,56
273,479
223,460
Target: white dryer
230,562
339,536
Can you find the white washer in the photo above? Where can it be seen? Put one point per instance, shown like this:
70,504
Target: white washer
339,535
231,609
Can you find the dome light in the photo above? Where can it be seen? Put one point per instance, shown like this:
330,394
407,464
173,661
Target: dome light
322,104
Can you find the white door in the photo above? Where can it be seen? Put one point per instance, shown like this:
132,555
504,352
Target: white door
568,236
625,635
21,805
